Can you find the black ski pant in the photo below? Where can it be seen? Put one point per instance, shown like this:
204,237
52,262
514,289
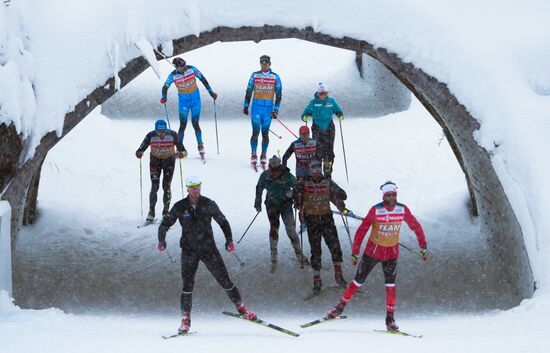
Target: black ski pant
285,212
322,227
325,149
366,265
156,167
214,263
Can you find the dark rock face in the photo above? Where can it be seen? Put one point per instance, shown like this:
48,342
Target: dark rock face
488,200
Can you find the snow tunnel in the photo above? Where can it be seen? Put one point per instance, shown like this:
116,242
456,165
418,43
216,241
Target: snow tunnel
487,270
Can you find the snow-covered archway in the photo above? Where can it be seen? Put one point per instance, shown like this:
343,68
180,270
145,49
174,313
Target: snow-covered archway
489,200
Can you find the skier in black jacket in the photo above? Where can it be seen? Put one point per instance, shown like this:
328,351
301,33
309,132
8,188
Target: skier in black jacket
163,158
195,213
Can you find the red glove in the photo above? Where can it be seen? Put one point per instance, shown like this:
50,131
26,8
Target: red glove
163,100
229,246
161,246
245,110
139,154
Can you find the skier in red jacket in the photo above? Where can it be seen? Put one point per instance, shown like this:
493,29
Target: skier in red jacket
383,246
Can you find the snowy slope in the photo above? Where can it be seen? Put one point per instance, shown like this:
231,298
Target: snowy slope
489,54
86,256
52,331
301,65
91,205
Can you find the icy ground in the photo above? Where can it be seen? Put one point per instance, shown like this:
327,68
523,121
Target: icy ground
86,256
86,252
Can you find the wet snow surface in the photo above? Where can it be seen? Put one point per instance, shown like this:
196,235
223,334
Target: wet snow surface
86,255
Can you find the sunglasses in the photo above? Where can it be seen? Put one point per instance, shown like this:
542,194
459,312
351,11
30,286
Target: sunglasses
323,93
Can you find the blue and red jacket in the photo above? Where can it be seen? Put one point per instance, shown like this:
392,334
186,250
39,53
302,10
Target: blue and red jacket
265,86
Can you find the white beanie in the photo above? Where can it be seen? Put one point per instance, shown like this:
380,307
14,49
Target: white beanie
388,187
192,181
321,88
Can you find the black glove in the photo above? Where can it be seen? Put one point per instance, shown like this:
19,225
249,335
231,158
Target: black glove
245,110
214,95
258,205
274,114
161,245
229,246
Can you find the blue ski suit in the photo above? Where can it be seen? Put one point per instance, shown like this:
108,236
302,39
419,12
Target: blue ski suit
189,97
265,86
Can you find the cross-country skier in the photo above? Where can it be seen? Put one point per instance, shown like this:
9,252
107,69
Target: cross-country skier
321,108
279,183
383,246
195,213
266,85
304,148
162,160
184,77
314,196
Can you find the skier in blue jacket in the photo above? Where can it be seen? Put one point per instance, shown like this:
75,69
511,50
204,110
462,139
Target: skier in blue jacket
266,85
184,77
321,108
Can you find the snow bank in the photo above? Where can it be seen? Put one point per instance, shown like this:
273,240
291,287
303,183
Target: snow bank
5,247
488,53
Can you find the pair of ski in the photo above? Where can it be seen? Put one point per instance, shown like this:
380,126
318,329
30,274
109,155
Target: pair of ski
290,333
341,317
314,294
239,316
147,223
255,166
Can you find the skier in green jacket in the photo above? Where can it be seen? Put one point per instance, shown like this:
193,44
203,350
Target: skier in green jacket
321,109
279,183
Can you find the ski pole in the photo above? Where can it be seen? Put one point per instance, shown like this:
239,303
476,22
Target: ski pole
141,186
344,149
411,250
167,117
301,242
216,124
286,127
279,136
236,257
253,219
164,56
181,179
347,228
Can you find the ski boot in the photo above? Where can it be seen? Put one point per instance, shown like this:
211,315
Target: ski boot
317,284
302,259
263,160
337,310
254,161
151,216
200,147
338,277
185,323
250,315
390,323
273,260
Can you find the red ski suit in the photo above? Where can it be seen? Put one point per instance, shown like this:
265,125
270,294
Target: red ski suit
383,243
